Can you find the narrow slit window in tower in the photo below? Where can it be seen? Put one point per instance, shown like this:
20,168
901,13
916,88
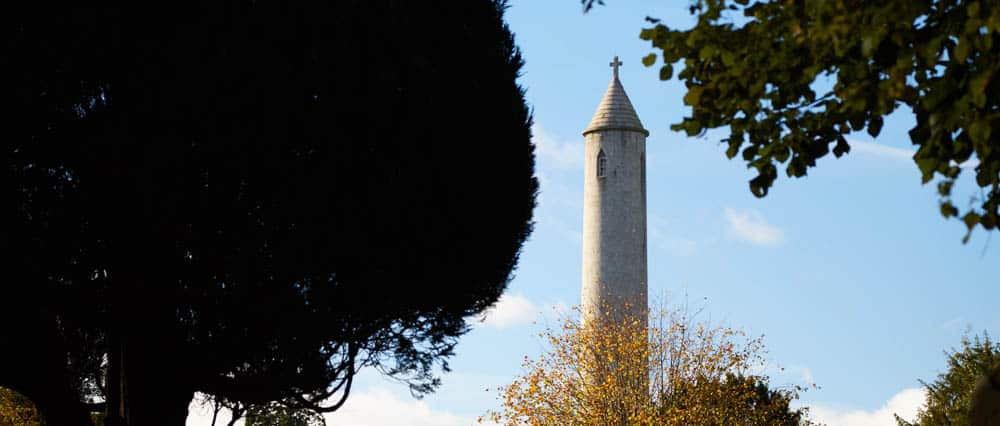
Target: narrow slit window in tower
602,164
642,171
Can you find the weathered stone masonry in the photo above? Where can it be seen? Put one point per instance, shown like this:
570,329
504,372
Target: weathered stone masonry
614,208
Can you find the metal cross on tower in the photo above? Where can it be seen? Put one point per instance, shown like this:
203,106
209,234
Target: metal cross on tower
615,64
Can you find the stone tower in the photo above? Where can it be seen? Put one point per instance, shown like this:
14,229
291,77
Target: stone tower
614,209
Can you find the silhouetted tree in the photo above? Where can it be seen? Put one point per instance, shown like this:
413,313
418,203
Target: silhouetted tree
254,199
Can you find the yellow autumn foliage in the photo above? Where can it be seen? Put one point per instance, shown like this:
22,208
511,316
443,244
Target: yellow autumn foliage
669,371
17,410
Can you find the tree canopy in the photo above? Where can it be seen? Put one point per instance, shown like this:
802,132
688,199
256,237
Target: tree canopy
952,394
790,79
253,199
16,410
280,415
672,371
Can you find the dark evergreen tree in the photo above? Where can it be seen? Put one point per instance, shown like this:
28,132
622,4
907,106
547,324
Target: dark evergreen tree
743,394
951,395
253,199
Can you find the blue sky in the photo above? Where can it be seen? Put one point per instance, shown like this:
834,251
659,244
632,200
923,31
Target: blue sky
851,275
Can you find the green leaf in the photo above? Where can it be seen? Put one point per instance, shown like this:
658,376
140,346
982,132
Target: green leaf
977,89
979,131
734,146
666,72
868,44
758,187
780,152
929,51
728,58
971,220
857,121
972,9
875,126
842,147
944,187
649,59
988,221
692,127
962,49
706,52
693,96
795,168
927,166
948,210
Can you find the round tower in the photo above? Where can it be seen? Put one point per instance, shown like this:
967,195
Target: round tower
614,209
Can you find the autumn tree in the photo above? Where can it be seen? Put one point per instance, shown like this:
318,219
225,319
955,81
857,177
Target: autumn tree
952,394
252,199
17,410
791,79
673,370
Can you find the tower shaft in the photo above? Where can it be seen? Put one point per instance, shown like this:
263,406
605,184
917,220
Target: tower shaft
614,211
614,225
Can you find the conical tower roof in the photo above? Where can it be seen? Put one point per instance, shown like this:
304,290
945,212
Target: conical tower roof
615,111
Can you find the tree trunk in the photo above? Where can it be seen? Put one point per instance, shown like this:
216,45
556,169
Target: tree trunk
148,379
148,374
115,405
150,390
38,371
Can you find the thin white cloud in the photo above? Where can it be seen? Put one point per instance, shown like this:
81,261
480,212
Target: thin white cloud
678,246
552,151
662,237
555,313
897,154
802,374
882,151
511,310
905,404
381,407
560,208
373,407
805,374
952,323
749,225
970,164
